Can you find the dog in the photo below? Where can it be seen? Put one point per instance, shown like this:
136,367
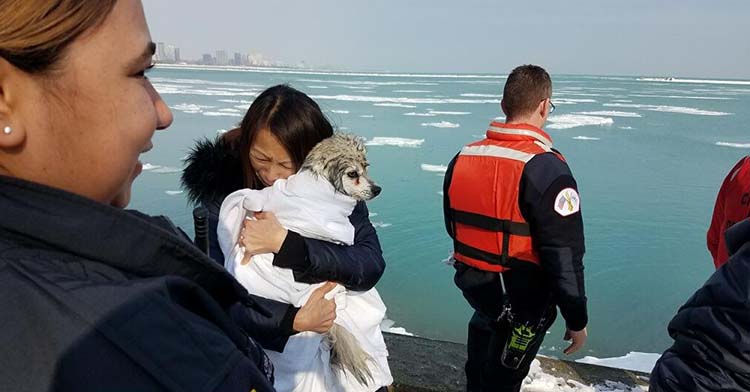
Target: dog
342,161
315,202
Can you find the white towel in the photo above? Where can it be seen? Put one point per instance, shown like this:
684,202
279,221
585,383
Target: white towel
310,206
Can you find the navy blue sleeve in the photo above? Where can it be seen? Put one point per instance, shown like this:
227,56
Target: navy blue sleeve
214,251
558,239
446,198
267,321
358,267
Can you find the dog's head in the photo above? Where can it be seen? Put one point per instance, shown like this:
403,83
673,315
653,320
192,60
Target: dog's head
341,160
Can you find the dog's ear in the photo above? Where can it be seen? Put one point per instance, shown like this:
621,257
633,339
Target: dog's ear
317,159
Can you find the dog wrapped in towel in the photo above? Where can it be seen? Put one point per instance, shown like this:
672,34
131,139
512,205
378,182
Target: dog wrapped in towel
315,202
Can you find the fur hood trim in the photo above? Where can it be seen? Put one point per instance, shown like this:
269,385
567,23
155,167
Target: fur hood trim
213,170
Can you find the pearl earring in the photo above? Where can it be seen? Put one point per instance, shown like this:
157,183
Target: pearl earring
7,130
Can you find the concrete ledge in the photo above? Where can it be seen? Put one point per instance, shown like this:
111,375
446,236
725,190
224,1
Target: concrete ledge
422,365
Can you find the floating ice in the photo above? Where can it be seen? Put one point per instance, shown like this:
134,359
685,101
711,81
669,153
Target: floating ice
388,326
449,113
394,141
149,167
413,91
401,100
191,108
434,168
225,114
612,113
567,121
481,95
669,109
160,169
395,105
700,81
735,145
442,124
641,362
681,97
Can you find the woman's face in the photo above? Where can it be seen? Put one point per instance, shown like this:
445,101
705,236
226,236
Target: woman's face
86,126
270,160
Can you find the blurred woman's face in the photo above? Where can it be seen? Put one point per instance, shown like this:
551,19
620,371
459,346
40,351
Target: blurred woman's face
87,124
270,160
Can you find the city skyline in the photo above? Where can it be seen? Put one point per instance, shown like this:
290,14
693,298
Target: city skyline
671,38
168,53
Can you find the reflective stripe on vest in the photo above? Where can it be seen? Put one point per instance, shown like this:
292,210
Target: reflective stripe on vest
524,132
498,152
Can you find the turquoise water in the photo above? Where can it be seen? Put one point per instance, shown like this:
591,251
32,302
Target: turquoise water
648,167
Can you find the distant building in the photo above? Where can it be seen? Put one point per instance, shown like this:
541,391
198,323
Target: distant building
161,53
238,59
166,53
221,57
208,59
256,59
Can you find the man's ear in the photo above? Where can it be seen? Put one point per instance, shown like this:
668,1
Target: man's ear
12,131
543,108
502,106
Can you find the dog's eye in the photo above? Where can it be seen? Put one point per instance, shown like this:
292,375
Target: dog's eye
352,174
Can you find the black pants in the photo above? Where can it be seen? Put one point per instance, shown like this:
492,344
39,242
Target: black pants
484,371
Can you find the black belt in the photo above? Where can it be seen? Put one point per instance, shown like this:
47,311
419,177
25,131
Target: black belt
491,223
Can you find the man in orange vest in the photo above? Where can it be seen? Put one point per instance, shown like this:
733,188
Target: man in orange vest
732,206
512,208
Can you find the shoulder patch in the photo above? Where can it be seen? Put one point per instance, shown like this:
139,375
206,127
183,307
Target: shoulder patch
567,202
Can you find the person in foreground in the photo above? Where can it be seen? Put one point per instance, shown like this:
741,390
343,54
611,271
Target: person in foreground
94,297
512,208
711,331
732,205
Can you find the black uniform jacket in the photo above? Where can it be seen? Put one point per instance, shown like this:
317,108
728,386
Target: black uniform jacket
95,298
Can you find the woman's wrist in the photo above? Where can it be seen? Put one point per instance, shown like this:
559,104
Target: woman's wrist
279,240
292,254
289,323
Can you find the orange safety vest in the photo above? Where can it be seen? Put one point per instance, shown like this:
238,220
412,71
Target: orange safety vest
488,229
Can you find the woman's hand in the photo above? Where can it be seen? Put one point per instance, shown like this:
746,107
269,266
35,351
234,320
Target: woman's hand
318,313
263,235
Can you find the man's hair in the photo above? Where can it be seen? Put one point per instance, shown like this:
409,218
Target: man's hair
526,86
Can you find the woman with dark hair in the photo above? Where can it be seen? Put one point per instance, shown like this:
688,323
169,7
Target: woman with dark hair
281,126
95,297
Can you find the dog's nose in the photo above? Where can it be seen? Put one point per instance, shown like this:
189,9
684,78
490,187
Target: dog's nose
376,190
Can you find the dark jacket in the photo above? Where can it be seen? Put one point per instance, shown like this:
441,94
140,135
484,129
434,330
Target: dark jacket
711,332
214,171
95,298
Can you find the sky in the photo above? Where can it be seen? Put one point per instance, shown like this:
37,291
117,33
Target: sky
679,38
